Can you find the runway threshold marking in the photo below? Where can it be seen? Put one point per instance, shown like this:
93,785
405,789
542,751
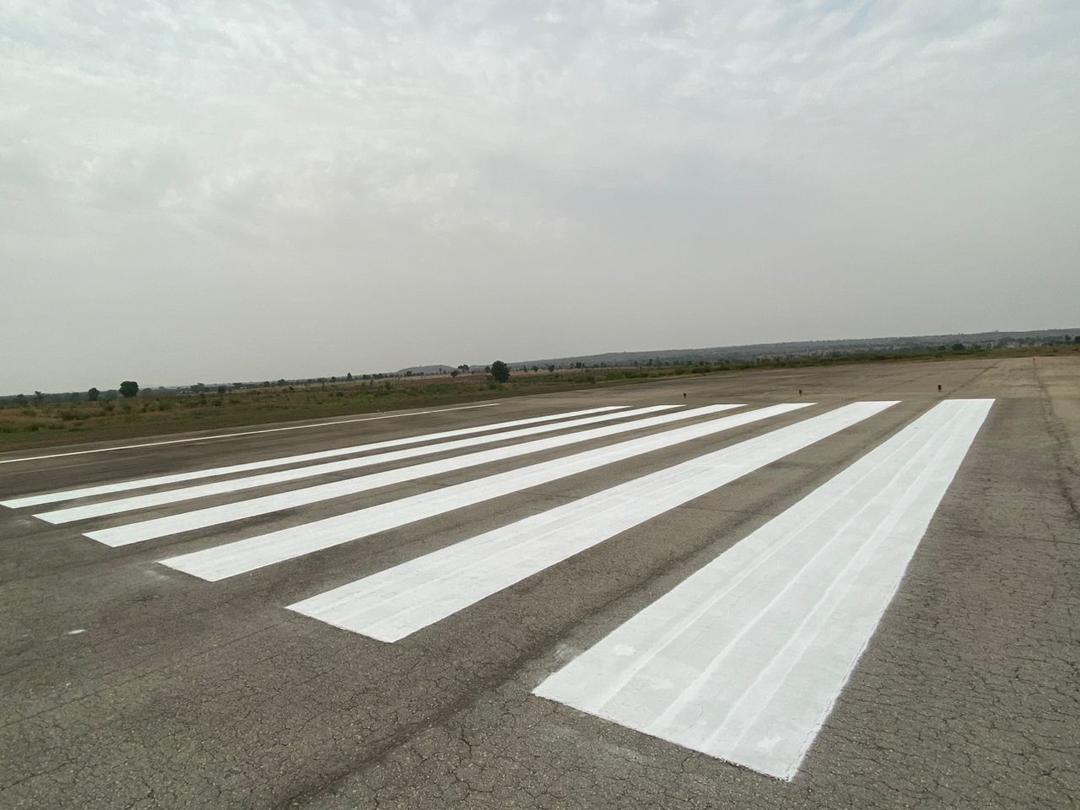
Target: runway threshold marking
147,500
397,602
214,515
745,658
244,433
281,461
256,552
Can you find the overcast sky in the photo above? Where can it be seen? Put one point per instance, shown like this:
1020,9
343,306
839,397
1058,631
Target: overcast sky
217,191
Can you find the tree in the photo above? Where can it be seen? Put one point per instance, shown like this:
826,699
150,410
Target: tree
129,388
464,368
500,371
454,372
349,376
221,390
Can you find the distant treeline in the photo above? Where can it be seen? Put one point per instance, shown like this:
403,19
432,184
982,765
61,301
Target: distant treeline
128,411
717,358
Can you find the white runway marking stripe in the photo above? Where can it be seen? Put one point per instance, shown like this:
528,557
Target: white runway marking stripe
190,493
745,658
399,601
255,552
244,433
214,515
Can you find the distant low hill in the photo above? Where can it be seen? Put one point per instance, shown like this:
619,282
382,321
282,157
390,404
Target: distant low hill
811,348
748,353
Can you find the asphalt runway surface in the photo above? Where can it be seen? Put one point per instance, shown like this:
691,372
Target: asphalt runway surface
866,594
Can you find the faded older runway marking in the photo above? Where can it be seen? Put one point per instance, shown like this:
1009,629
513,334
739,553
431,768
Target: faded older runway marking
255,552
214,515
284,476
401,600
244,433
745,658
161,480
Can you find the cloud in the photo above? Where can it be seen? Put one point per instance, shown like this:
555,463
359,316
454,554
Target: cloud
407,105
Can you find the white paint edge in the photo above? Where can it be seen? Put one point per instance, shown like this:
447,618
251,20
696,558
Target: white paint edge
399,601
256,552
171,496
215,515
745,658
245,433
280,461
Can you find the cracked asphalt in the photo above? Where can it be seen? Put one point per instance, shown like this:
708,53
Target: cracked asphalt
126,684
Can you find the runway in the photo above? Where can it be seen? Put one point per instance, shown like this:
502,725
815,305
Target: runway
862,593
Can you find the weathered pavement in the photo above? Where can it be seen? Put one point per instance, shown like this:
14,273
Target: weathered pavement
129,684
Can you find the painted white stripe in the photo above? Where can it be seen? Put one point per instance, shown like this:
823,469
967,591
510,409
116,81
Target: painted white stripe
244,433
256,552
266,479
401,600
745,658
214,515
282,461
